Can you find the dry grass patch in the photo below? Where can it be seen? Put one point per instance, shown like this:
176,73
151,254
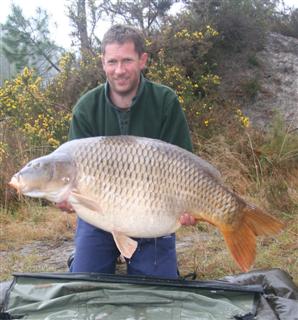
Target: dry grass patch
32,239
35,222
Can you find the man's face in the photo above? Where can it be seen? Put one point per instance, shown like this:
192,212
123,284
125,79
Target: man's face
123,65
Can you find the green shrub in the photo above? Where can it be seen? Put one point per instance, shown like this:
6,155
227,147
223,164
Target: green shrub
250,88
241,24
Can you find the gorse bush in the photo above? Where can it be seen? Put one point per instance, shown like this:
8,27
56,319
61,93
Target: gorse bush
31,125
42,110
76,77
185,45
177,60
174,76
27,109
212,116
241,23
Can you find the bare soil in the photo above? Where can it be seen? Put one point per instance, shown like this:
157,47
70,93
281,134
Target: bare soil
53,255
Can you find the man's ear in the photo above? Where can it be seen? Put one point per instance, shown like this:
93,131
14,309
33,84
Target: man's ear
103,61
143,60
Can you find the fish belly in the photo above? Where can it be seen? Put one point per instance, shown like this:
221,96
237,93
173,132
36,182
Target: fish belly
131,216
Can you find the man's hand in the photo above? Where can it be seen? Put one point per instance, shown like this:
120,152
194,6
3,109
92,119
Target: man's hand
187,219
65,206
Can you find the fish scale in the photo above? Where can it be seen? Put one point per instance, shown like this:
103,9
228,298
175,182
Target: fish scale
158,187
139,187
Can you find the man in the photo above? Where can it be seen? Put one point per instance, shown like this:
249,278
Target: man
127,104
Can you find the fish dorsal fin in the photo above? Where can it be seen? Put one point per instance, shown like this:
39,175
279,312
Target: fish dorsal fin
87,202
209,168
125,245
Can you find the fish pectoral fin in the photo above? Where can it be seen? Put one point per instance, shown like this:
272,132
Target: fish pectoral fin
125,244
84,201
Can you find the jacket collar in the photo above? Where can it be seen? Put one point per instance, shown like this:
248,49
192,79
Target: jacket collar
135,98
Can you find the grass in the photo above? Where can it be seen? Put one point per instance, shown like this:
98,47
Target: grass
251,88
27,239
34,222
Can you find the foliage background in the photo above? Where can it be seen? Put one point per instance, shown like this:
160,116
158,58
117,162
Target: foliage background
185,51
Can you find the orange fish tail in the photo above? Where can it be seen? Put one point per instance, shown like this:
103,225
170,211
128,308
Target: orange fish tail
241,238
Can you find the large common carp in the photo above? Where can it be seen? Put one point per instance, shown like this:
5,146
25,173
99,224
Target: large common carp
139,187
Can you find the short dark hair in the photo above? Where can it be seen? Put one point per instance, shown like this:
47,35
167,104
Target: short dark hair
123,33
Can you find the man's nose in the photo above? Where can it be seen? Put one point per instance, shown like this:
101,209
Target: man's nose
120,68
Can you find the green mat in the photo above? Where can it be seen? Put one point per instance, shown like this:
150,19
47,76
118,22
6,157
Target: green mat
95,296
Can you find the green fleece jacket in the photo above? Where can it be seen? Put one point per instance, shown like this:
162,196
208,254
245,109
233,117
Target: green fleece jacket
155,112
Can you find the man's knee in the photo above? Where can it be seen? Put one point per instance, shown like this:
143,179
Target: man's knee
155,257
95,250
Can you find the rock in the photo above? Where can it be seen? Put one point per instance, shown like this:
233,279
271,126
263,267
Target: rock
279,81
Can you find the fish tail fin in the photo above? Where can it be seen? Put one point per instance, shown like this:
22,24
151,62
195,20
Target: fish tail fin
241,238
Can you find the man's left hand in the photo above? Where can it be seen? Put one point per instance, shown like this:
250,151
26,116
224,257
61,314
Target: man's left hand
65,206
187,219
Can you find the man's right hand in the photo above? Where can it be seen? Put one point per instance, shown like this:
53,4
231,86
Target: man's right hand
65,206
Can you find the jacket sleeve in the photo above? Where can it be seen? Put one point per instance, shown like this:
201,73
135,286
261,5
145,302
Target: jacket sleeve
81,125
174,128
78,127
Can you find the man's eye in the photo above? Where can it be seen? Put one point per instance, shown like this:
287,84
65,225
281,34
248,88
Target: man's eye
111,62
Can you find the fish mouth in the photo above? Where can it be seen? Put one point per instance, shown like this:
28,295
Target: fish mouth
15,183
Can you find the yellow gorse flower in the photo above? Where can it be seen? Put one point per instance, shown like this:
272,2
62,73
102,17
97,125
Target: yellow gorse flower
196,35
3,151
243,119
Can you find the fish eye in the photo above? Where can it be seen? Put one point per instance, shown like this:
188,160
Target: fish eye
65,180
37,165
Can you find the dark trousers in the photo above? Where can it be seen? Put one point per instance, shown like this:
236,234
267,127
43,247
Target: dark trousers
96,252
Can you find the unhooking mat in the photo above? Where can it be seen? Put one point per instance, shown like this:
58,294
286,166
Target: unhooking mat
263,295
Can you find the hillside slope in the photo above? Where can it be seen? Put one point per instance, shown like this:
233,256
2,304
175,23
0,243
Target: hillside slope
265,82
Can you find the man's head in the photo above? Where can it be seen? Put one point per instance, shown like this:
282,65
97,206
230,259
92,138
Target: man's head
122,33
123,59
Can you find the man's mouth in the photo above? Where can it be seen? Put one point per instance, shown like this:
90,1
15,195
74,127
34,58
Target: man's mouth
121,80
